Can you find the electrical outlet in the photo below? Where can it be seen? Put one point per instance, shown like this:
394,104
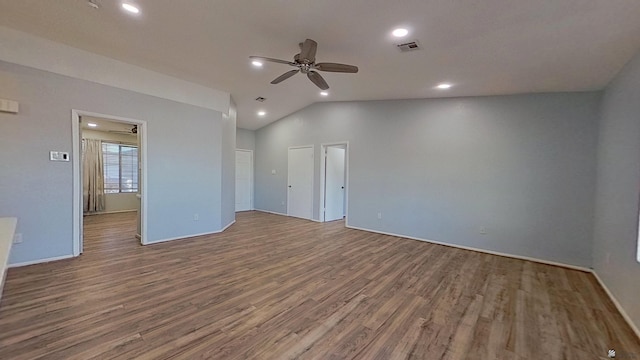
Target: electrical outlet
282,203
17,238
379,215
196,217
607,258
482,230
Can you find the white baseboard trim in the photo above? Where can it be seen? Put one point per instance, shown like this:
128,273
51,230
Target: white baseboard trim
41,261
191,236
271,212
520,257
277,213
617,304
228,225
109,212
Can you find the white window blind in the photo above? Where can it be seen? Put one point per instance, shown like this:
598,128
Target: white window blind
120,168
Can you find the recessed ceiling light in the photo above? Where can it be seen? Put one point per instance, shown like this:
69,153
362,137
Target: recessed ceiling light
444,86
400,32
262,113
324,93
92,125
130,8
256,63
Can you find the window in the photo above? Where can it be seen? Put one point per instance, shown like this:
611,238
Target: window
120,168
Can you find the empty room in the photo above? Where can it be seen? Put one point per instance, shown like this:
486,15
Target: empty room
319,179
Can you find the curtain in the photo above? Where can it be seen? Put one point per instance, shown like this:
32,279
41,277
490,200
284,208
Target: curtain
92,176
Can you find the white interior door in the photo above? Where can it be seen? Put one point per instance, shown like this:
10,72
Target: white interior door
244,179
300,187
334,183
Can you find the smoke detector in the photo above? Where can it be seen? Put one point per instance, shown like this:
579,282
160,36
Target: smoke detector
409,46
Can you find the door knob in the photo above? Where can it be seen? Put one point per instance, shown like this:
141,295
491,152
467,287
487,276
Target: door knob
289,186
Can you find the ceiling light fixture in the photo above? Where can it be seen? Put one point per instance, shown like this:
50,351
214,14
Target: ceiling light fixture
444,86
262,113
131,8
324,93
400,32
92,125
256,63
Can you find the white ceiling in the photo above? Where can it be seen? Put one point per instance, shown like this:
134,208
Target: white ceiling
105,125
483,47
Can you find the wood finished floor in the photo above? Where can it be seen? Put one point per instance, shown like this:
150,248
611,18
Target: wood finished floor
273,287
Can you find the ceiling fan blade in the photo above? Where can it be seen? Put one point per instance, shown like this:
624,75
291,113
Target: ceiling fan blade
272,60
308,52
284,76
318,80
334,67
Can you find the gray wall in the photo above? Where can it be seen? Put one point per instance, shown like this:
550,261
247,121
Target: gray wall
229,167
245,139
184,159
616,212
521,166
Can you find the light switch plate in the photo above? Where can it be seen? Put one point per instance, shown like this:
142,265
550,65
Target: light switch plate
9,106
58,156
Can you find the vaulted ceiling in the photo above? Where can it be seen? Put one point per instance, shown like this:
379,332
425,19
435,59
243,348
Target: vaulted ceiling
481,47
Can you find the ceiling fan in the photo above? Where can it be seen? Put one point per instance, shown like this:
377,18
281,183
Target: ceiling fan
134,130
305,62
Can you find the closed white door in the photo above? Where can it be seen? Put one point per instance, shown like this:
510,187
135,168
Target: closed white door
334,184
244,180
300,187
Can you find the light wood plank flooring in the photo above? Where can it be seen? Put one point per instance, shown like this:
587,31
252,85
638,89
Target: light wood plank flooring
273,287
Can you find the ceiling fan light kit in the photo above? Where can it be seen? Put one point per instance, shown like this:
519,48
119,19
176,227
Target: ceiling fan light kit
305,62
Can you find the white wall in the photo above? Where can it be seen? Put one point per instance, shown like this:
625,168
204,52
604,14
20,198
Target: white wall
521,166
184,159
120,201
21,48
245,139
618,190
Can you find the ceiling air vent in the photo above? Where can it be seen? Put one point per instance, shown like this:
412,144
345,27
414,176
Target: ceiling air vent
409,46
260,99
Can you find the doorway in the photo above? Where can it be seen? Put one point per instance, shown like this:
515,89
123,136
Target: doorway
300,182
244,180
334,179
119,182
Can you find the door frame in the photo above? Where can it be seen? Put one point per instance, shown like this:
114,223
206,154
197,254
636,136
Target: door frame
313,152
77,178
323,156
251,207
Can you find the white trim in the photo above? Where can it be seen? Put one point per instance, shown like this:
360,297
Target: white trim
191,236
110,212
617,304
41,261
77,181
313,154
271,212
323,155
520,257
28,50
252,178
228,226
